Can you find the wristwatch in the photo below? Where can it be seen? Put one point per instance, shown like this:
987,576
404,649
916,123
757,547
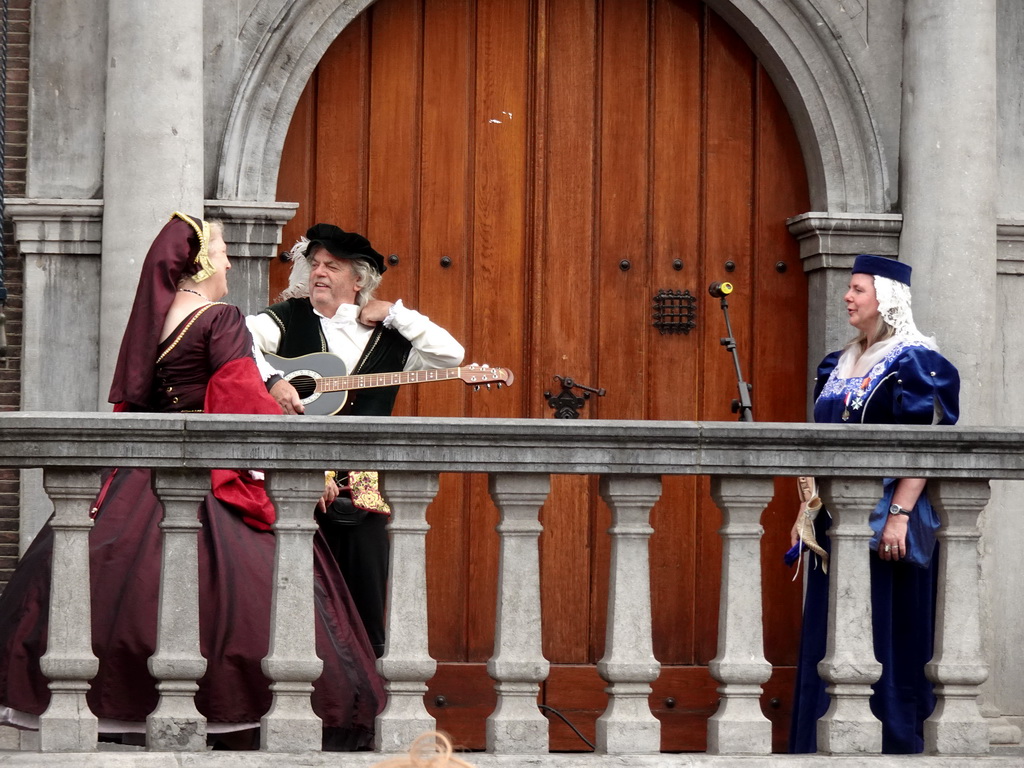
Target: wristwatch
896,509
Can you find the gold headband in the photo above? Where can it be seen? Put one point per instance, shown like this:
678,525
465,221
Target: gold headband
206,268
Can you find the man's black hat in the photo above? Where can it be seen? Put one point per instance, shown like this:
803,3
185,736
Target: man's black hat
343,245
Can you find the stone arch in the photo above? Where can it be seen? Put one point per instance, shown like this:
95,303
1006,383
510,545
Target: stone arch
287,40
799,47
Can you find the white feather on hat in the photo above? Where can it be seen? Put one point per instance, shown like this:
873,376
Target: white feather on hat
298,279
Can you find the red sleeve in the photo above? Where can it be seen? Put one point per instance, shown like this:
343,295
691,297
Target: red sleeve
236,388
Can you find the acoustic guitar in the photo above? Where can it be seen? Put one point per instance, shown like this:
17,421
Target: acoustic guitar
322,383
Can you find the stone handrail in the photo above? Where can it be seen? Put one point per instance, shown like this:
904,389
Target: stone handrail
509,445
520,455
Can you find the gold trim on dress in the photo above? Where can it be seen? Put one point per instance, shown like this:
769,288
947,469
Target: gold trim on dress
206,268
198,313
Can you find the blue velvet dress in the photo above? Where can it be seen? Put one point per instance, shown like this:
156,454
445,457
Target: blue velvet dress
910,385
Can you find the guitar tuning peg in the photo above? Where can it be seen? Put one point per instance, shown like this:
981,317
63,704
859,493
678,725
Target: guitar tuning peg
488,386
476,387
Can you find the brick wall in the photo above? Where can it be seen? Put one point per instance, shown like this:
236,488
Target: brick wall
14,186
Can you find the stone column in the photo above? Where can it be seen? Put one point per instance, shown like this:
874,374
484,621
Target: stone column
67,725
292,664
948,183
176,725
849,665
958,668
60,242
517,726
252,232
406,665
628,726
153,149
739,727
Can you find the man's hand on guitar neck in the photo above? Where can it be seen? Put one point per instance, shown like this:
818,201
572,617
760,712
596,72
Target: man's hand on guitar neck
287,398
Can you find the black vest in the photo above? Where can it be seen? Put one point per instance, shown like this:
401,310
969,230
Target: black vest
387,350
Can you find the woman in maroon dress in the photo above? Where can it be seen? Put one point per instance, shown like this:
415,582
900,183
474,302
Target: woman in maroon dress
184,352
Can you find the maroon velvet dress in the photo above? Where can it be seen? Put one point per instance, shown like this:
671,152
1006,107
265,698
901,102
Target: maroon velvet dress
206,364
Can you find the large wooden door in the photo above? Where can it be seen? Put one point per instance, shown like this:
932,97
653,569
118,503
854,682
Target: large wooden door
541,170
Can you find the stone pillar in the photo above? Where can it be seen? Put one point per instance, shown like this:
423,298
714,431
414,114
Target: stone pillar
948,183
60,243
517,726
739,727
252,232
67,725
406,665
849,665
628,726
176,725
958,668
153,148
292,663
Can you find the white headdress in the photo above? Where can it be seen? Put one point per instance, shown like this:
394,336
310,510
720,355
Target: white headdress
894,307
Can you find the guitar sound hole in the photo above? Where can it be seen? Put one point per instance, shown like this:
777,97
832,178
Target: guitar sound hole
304,385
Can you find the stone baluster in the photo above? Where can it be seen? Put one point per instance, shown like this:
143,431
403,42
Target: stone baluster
739,727
627,725
67,725
849,664
957,668
518,666
175,724
406,664
292,663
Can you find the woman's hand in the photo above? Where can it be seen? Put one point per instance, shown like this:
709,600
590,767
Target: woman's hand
331,491
893,544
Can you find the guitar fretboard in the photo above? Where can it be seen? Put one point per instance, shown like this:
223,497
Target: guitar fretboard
366,381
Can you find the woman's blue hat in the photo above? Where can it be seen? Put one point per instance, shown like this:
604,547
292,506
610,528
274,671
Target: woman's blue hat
867,264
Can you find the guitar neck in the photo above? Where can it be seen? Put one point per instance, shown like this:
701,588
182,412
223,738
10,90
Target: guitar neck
369,380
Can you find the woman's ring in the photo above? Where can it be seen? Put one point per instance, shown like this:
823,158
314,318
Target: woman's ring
888,548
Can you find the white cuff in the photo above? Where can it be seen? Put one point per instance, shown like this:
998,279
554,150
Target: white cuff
395,308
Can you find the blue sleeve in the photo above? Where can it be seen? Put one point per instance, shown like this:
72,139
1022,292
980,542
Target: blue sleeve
825,368
926,382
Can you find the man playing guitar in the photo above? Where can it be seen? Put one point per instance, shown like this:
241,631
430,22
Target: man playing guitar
329,307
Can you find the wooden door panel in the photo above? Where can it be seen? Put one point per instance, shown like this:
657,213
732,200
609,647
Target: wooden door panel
565,328
296,180
623,211
501,175
444,224
536,145
342,132
564,298
482,570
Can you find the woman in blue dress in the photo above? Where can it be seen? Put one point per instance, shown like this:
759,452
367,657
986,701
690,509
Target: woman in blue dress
889,374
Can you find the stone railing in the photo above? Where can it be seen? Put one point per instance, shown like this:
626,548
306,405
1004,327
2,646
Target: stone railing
519,456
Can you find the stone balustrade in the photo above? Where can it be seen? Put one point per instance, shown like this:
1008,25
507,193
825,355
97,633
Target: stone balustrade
519,456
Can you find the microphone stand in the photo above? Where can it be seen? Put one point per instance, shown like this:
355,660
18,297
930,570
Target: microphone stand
742,405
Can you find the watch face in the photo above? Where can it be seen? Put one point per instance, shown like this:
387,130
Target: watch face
895,509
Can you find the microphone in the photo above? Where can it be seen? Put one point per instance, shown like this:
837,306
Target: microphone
720,290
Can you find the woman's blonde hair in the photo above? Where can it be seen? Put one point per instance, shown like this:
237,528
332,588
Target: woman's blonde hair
432,749
882,331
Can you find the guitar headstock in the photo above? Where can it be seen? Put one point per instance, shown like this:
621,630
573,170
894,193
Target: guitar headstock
484,375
